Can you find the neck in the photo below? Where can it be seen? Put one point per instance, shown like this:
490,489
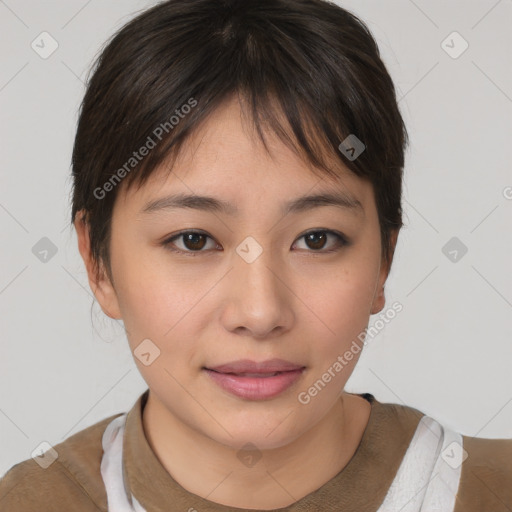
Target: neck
281,477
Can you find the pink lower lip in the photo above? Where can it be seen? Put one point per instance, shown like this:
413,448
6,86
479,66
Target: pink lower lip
255,388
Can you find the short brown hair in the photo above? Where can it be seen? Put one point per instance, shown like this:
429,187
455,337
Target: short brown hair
313,59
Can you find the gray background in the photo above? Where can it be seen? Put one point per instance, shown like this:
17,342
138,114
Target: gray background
65,366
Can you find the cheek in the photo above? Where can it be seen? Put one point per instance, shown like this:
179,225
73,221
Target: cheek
150,297
160,315
341,301
342,294
162,304
342,310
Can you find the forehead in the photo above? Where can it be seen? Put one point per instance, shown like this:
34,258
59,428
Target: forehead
225,159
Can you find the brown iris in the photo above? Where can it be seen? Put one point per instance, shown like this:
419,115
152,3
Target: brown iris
318,240
194,241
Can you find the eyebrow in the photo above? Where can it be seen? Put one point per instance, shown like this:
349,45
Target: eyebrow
212,204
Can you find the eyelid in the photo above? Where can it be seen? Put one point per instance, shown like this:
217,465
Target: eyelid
167,242
342,240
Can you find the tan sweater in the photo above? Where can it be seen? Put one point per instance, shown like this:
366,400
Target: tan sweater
73,481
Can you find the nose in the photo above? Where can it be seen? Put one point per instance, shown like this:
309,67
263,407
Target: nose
259,300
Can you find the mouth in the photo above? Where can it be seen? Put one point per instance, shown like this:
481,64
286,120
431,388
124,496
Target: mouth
255,381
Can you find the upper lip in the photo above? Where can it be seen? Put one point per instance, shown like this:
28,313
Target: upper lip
248,366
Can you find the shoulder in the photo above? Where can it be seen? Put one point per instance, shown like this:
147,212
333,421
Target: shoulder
72,481
486,471
486,475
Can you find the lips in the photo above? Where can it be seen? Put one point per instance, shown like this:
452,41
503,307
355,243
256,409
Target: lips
251,380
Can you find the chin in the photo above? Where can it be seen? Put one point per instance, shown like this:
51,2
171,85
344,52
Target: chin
265,433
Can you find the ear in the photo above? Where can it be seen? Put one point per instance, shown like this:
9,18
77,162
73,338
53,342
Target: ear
379,300
99,281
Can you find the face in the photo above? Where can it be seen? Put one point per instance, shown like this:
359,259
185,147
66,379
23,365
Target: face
254,281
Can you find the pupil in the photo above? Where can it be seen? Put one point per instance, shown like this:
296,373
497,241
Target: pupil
191,238
312,236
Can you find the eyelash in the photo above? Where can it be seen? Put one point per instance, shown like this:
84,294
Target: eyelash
341,241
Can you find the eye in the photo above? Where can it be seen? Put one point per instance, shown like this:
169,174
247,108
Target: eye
316,240
195,241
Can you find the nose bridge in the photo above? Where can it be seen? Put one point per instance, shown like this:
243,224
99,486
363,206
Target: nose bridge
257,293
256,269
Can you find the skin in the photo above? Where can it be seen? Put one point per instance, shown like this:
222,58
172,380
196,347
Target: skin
295,302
